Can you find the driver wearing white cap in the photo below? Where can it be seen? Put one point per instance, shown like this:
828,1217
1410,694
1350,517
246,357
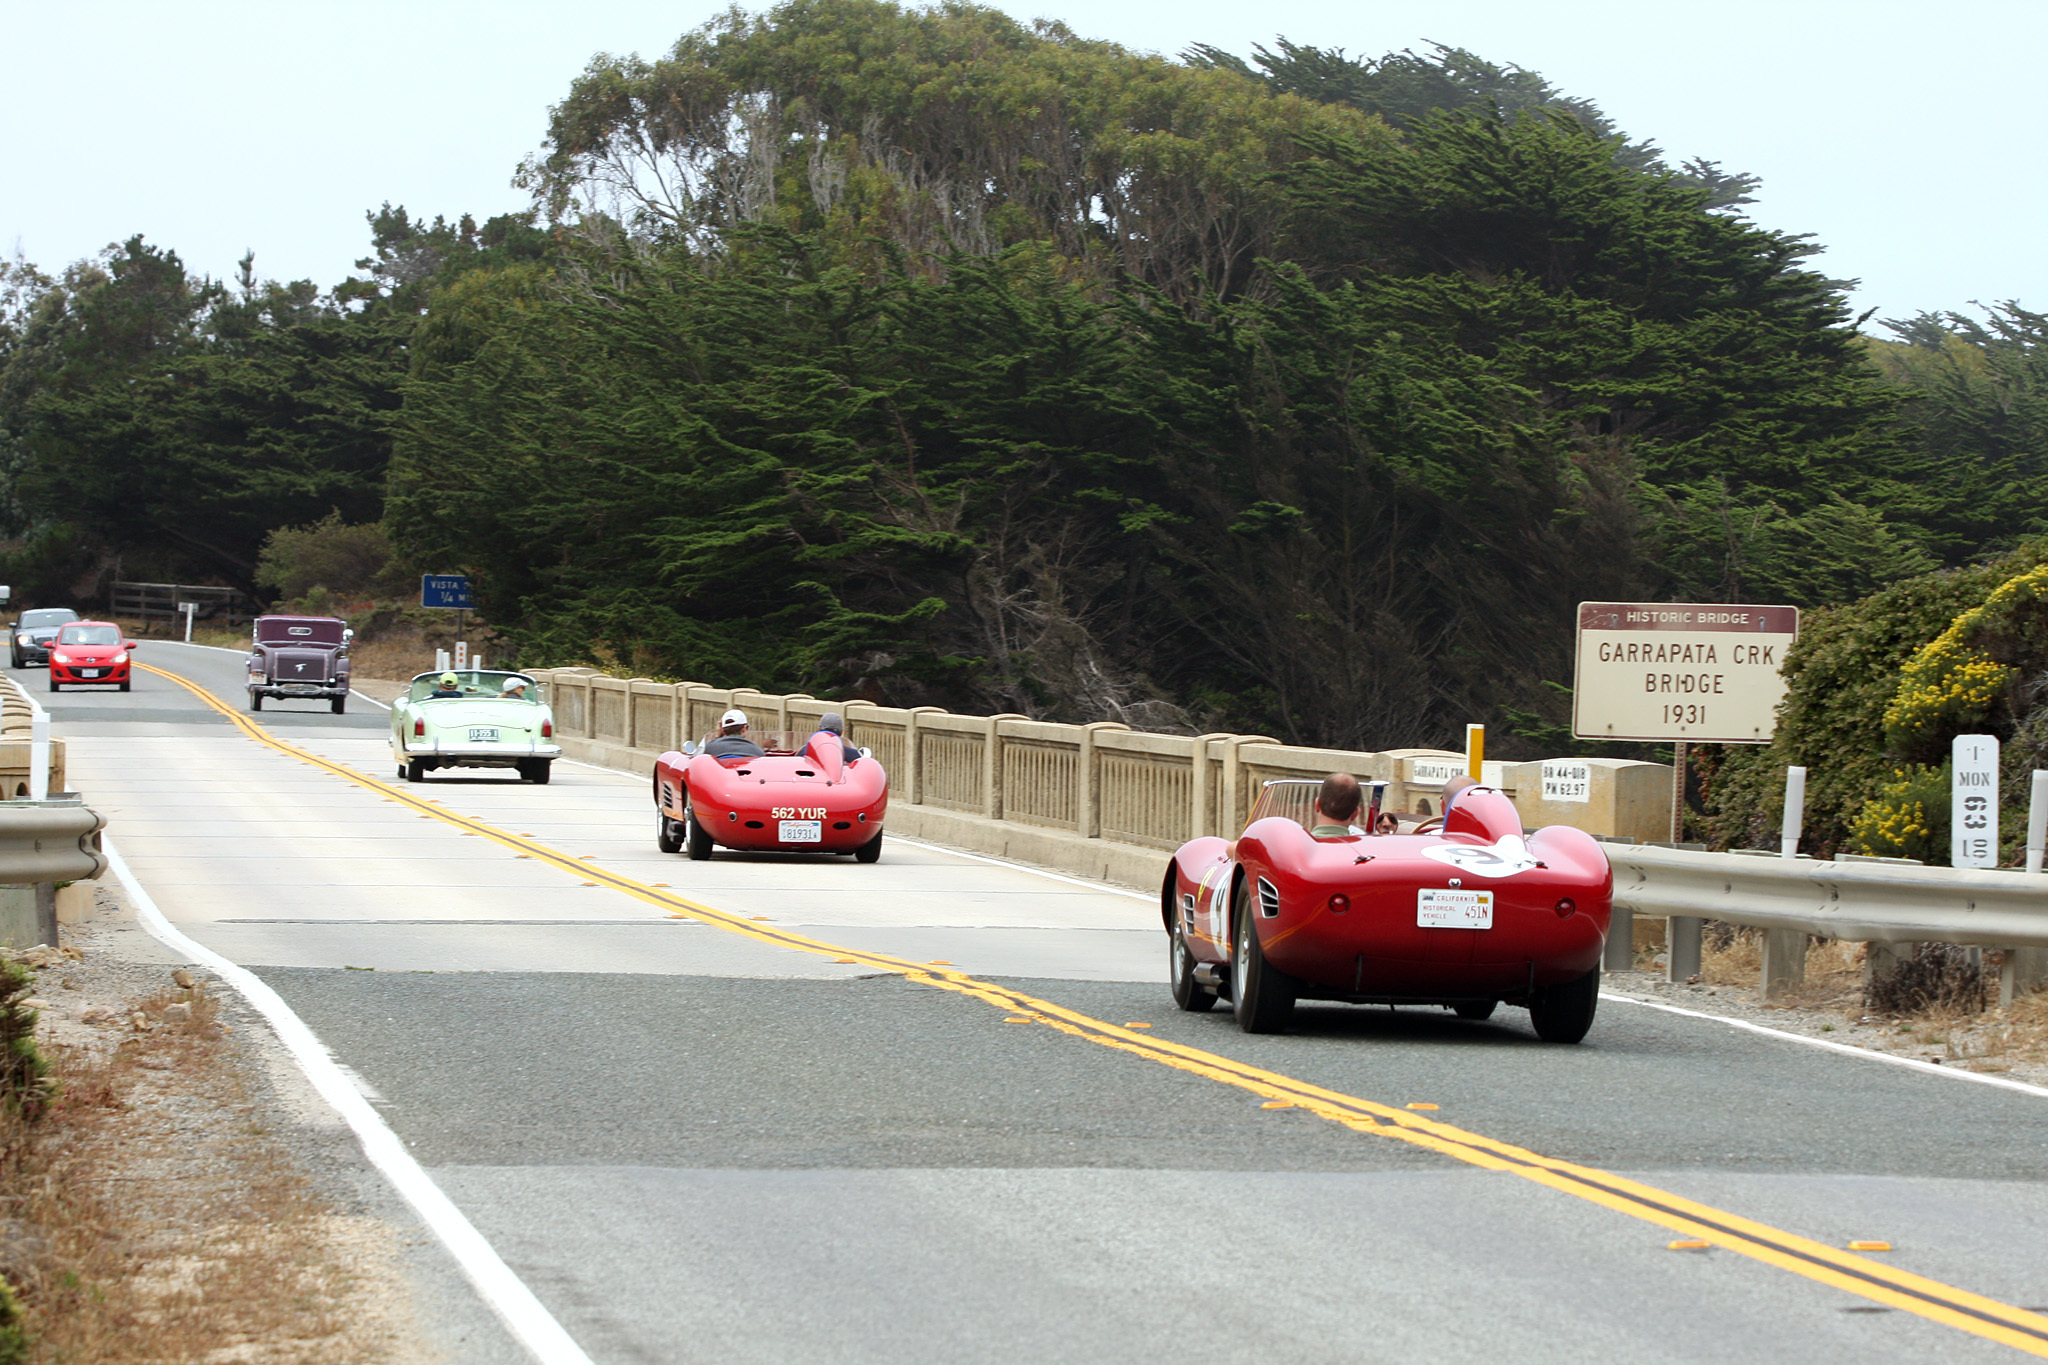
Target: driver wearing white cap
731,740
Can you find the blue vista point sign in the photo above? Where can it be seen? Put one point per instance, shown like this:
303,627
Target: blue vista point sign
445,590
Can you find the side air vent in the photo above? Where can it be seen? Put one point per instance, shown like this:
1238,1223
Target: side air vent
1269,899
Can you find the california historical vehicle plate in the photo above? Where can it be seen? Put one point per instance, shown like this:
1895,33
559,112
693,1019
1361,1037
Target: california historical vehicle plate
1439,909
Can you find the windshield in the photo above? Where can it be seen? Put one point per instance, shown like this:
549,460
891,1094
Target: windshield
1295,798
89,635
287,630
473,683
771,741
49,616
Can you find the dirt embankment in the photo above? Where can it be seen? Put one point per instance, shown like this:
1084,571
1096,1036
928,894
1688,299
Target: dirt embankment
158,1212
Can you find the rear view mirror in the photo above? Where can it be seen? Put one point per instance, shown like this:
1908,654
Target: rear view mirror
690,747
127,644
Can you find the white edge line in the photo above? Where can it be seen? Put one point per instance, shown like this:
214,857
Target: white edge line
522,1313
1868,1054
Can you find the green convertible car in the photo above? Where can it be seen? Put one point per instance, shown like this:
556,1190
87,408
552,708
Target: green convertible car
473,718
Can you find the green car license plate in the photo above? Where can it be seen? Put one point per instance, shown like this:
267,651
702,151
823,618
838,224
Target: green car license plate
483,734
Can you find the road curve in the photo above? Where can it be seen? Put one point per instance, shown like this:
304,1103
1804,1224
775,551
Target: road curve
696,1134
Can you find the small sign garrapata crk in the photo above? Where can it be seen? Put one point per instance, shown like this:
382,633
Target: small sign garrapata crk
1681,670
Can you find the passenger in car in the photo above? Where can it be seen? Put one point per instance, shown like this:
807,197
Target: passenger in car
1336,806
731,740
833,724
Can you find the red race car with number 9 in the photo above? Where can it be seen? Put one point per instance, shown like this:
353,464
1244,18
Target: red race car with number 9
801,794
1465,915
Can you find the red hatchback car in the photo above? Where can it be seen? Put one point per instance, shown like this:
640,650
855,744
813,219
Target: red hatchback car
90,652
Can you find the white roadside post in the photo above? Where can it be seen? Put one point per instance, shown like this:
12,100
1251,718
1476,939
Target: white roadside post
188,608
461,654
1784,964
2037,820
1973,801
1795,812
38,752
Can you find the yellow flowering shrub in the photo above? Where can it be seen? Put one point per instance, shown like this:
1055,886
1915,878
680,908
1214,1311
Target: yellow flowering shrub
1952,684
1908,818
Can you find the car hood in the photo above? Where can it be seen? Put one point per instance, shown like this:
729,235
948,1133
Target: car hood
90,653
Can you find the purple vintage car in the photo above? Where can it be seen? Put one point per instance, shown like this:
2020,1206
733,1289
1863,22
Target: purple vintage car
300,656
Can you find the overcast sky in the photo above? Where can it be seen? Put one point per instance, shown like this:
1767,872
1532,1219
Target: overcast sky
1906,137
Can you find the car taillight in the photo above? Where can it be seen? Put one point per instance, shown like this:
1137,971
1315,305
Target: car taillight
1564,907
1340,903
547,729
419,728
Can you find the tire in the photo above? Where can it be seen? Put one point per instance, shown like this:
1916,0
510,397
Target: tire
665,833
1188,993
871,851
1475,1010
700,838
1264,995
340,705
415,770
535,770
255,701
124,687
56,686
1563,1014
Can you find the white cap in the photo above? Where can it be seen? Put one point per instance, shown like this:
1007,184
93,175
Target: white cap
511,683
731,718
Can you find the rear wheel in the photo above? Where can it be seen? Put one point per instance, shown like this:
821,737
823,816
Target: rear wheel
255,701
871,851
1563,1014
340,705
1188,993
1475,1010
700,838
665,833
1264,994
414,770
534,770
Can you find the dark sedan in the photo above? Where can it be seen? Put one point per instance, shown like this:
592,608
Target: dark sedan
28,639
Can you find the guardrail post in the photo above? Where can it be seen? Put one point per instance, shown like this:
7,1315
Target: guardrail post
1880,960
1620,953
1682,934
2024,970
46,913
1784,961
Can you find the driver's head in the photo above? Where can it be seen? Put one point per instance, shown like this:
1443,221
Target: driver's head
832,721
1339,798
732,722
449,680
1453,787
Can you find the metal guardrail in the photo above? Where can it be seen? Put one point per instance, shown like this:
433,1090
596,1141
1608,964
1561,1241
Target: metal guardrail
1879,904
50,841
1861,902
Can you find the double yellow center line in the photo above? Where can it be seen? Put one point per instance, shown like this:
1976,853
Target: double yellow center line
1828,1265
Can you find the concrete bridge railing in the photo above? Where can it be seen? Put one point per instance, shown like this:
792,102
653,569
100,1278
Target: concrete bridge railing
1132,792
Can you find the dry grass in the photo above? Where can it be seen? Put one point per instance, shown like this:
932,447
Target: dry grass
150,1220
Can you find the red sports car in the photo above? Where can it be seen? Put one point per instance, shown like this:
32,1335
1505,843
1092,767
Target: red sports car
1465,916
93,652
804,795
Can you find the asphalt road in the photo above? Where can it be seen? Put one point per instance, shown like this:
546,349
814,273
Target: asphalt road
694,1145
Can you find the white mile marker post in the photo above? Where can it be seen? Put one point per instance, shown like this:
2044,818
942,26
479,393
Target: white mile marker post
1795,812
1973,801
